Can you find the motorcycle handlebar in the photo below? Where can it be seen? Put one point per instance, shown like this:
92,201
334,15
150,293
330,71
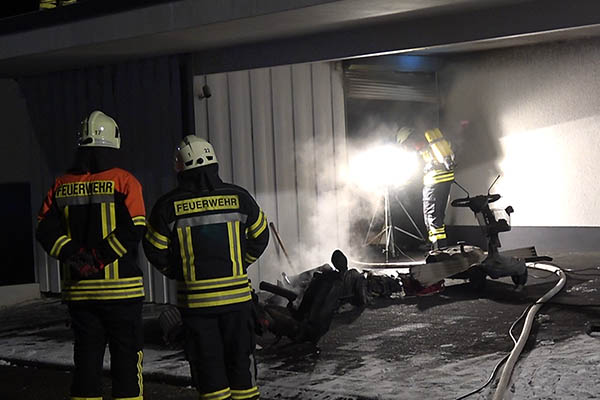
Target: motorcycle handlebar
278,290
468,201
493,197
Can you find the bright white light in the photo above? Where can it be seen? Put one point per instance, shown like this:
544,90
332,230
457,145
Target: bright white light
381,167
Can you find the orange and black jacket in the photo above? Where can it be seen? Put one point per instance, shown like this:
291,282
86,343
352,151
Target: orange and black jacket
206,240
103,211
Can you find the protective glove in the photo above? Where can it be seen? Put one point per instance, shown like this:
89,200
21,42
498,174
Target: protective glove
83,264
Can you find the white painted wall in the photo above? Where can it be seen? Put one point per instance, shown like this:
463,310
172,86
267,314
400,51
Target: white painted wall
280,133
534,117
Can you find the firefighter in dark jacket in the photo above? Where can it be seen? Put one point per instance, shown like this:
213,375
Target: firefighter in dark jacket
205,234
92,220
439,175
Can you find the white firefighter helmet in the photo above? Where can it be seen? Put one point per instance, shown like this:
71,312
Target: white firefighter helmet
194,152
99,130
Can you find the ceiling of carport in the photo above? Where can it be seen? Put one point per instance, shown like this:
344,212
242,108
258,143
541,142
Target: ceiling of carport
237,34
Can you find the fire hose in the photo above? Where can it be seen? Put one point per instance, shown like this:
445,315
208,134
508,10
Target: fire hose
518,348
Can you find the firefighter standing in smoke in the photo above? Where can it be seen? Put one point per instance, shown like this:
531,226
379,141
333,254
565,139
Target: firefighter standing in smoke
439,175
205,233
92,220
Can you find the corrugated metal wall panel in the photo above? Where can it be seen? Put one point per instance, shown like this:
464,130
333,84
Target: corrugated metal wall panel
200,108
339,145
240,112
325,220
391,85
240,106
48,271
280,133
306,177
219,129
286,146
264,159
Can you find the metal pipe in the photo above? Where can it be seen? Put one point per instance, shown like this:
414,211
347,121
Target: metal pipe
280,242
414,224
389,231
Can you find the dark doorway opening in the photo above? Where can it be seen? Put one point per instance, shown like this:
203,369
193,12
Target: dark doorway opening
384,96
16,236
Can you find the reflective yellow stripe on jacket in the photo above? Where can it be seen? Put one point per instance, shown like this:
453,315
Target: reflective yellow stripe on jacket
235,252
140,220
436,234
438,176
244,394
58,245
254,230
159,241
214,292
250,259
109,224
196,293
218,395
101,289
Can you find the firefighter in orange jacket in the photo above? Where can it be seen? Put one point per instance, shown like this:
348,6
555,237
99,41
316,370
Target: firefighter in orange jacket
92,220
205,233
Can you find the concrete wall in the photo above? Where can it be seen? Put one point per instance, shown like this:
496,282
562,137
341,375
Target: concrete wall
531,114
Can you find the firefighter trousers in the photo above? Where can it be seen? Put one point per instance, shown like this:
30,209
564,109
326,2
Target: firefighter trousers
220,350
435,201
118,324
